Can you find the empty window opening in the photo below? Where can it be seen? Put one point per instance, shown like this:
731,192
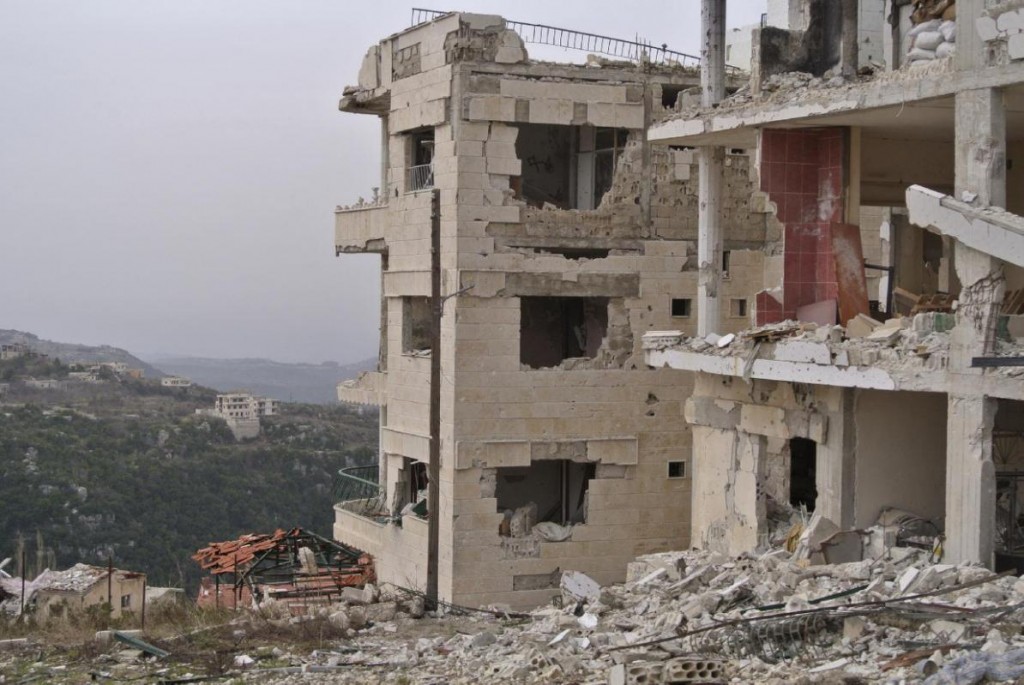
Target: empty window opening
681,307
126,601
553,329
803,456
569,167
411,487
416,324
738,308
575,252
670,96
677,469
554,490
726,258
420,156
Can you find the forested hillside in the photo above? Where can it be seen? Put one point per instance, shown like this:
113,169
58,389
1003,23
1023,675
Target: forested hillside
126,469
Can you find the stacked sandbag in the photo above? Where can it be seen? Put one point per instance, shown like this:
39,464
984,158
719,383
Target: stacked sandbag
932,39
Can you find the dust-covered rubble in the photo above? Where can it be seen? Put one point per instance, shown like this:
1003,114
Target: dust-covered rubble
692,617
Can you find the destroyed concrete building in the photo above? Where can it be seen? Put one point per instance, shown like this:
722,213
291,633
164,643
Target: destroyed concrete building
563,235
744,240
904,170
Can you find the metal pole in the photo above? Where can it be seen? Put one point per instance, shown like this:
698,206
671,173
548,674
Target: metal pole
24,572
143,626
434,465
110,584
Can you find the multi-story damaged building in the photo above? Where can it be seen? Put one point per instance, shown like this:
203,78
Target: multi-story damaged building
893,188
561,235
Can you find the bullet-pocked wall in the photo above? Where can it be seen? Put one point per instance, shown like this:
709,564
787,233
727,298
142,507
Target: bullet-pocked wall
556,268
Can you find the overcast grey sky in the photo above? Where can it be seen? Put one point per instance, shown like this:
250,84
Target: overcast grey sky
169,168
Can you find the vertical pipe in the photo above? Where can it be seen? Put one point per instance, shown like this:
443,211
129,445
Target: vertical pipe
143,621
434,465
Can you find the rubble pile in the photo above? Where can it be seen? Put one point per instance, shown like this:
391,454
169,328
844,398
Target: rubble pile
694,617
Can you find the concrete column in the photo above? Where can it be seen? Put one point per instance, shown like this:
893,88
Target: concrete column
835,467
970,480
849,48
980,176
710,168
712,54
970,473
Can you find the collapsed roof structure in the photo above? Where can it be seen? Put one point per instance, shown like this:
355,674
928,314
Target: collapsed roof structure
296,567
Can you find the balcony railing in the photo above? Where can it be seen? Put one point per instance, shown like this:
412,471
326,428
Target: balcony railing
357,490
420,177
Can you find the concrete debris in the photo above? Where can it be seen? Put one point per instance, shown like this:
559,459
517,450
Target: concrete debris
702,617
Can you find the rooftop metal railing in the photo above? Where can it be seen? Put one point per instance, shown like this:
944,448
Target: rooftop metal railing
541,34
357,489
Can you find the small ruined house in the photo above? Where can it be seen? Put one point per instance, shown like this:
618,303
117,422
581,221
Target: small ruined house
57,593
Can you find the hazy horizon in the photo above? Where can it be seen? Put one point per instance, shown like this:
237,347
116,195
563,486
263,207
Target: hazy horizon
170,168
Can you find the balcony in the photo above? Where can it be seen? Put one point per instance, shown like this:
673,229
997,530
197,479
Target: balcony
419,177
368,389
357,490
360,227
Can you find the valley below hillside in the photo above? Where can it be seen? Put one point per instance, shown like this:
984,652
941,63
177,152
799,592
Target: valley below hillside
125,470
313,383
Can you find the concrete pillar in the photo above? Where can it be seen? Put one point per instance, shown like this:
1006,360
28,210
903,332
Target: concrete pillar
980,177
970,480
849,47
712,54
970,473
711,166
835,467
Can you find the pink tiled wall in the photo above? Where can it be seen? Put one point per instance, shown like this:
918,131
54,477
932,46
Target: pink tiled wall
802,172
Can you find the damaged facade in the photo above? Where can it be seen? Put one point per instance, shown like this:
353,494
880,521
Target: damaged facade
564,235
890,191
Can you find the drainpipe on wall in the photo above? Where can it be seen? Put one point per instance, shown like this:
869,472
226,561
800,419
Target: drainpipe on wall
434,463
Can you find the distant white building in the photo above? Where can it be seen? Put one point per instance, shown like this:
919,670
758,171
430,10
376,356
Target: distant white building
244,405
44,383
242,412
175,382
83,376
13,351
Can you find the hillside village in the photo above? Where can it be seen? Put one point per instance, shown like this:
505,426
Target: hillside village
692,369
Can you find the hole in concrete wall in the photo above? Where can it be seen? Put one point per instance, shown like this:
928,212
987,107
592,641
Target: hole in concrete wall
677,469
681,307
557,487
803,459
416,322
553,329
670,95
737,308
575,252
570,167
726,258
